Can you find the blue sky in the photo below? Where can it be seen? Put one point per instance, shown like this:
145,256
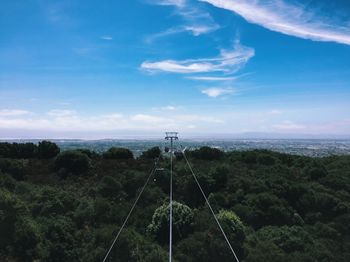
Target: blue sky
96,69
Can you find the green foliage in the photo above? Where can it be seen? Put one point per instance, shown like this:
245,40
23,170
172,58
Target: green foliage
207,153
220,176
182,222
91,154
109,187
15,150
26,238
47,149
268,209
151,153
13,167
272,206
118,153
73,161
10,209
232,223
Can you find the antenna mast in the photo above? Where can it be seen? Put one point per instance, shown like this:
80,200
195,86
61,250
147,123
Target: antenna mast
171,136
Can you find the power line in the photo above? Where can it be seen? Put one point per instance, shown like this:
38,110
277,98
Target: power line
206,200
171,136
171,208
132,208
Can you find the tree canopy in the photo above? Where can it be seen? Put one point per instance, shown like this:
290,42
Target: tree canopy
69,205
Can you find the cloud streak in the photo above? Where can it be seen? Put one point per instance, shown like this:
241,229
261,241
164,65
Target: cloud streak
13,112
178,3
212,78
197,21
106,37
228,62
286,18
217,91
195,30
70,120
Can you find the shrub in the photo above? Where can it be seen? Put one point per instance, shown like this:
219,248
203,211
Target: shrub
73,161
47,149
18,150
220,176
265,159
118,153
109,187
207,153
182,221
13,167
151,153
316,173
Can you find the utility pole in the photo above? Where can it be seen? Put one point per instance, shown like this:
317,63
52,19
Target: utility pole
171,136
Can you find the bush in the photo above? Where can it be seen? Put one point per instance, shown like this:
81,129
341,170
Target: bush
13,167
220,175
316,173
151,153
73,161
47,149
109,187
265,159
182,222
232,225
118,153
11,209
16,150
207,153
91,154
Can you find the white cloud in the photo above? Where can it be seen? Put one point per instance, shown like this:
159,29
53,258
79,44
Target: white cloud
217,91
115,116
288,125
229,61
197,30
197,21
279,16
275,112
107,37
148,118
212,78
61,113
178,3
13,112
69,120
192,118
170,108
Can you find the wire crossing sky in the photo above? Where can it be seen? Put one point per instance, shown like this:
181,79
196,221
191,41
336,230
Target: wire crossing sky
98,69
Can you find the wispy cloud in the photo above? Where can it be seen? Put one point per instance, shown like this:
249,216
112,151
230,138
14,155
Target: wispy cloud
106,37
288,125
197,21
229,61
286,18
178,3
217,91
61,113
70,120
195,30
212,78
13,112
170,108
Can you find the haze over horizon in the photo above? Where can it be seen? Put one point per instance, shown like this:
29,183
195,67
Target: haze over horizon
82,69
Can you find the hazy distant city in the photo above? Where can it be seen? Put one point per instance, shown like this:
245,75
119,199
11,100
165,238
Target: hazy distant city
306,147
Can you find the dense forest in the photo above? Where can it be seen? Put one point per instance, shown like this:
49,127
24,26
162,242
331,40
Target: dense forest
69,206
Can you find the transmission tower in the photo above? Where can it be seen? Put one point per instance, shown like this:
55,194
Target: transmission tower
172,136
